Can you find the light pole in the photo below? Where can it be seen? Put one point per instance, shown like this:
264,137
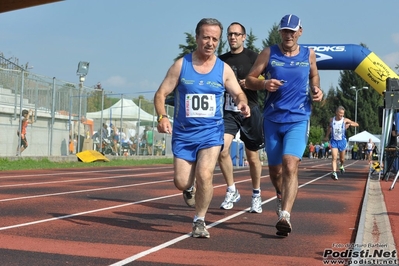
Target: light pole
99,88
83,69
356,90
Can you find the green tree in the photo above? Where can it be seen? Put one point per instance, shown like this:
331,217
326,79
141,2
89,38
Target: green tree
250,42
273,38
190,46
221,47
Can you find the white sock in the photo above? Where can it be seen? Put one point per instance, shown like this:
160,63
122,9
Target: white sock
232,188
198,218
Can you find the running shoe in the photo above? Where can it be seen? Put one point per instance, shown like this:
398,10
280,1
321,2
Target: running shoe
256,204
189,197
342,169
278,205
283,225
231,197
334,176
199,230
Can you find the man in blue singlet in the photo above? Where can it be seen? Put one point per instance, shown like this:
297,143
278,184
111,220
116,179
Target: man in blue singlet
292,82
199,80
336,133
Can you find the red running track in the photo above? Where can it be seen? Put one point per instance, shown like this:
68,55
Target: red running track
135,216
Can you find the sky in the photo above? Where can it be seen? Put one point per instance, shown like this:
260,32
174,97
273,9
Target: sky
130,44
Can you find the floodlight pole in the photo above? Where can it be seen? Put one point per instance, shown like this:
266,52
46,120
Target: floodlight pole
99,88
83,69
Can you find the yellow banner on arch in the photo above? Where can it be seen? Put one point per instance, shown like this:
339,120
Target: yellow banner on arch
375,72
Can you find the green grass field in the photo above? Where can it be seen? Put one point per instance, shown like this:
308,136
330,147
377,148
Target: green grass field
28,163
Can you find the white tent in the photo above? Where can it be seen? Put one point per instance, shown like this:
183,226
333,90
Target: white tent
124,109
364,137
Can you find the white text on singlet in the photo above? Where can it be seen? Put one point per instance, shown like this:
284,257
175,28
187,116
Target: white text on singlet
200,105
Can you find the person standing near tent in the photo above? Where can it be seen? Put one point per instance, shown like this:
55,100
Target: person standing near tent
311,150
355,150
370,148
336,133
149,137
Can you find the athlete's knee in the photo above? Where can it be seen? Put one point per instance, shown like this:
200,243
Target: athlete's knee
182,183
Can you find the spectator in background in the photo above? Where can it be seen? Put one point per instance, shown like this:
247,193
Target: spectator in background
163,142
149,138
115,139
317,149
355,149
127,144
321,150
134,140
326,149
26,119
311,150
369,151
361,151
143,143
100,135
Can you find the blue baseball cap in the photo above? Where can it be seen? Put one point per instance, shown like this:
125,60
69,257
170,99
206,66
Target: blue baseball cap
290,22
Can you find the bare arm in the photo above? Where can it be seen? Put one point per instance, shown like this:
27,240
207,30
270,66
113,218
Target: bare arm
252,80
167,86
234,89
349,123
31,116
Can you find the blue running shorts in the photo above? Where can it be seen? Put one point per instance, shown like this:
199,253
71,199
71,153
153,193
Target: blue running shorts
338,144
285,139
188,150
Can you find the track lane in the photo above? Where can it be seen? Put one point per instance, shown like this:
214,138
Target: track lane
134,228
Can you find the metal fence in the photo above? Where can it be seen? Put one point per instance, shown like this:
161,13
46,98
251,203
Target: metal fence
51,99
31,91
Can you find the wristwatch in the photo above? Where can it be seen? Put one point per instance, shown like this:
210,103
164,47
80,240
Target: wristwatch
160,117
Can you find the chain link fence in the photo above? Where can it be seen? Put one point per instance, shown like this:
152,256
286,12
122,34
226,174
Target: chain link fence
56,105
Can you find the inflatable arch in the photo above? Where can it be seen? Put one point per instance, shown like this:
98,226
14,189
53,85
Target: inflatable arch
354,57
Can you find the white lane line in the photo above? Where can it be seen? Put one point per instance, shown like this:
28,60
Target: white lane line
105,170
84,213
180,238
81,180
97,189
102,209
86,190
